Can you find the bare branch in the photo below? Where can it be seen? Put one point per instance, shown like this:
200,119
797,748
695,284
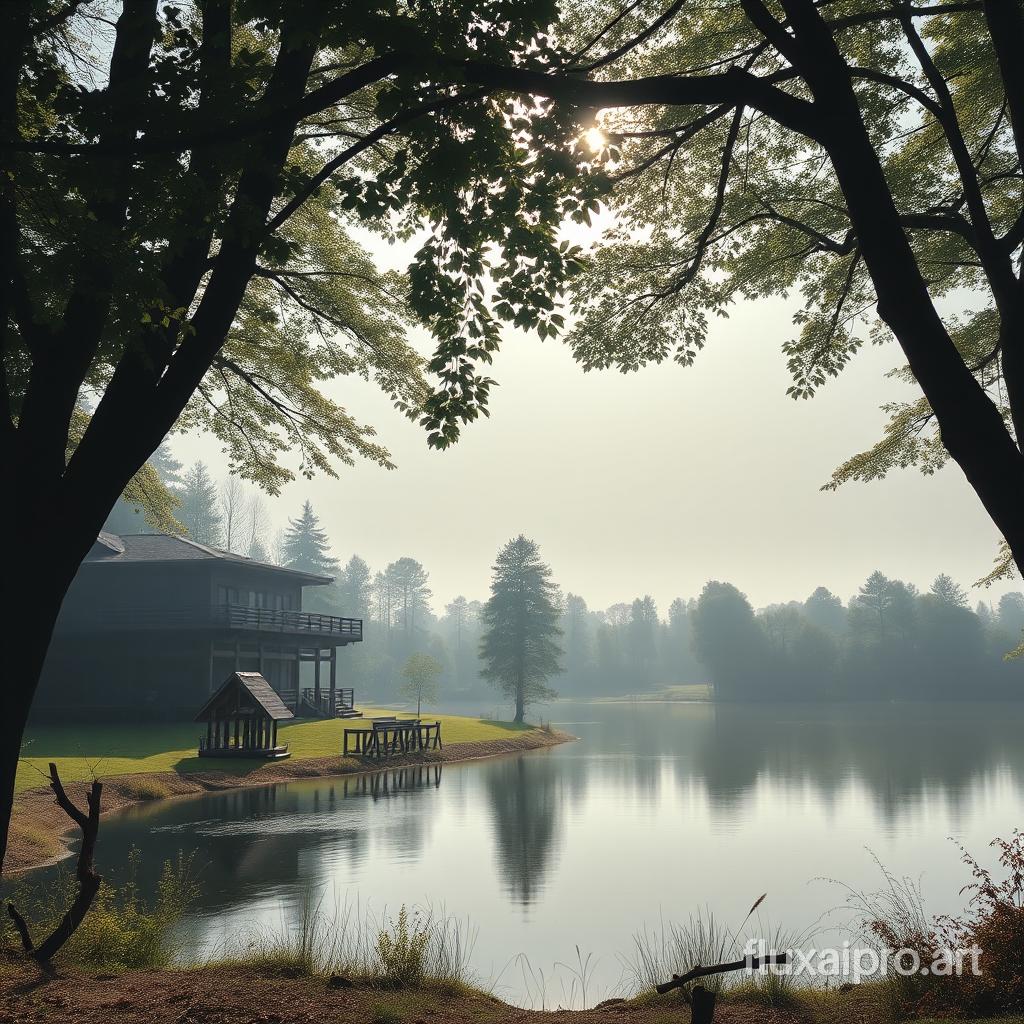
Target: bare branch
88,880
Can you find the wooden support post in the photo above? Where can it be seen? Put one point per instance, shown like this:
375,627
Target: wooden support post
209,733
316,679
702,1004
331,711
238,725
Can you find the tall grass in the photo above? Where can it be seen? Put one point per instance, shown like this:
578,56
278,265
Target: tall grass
414,948
676,948
702,941
891,918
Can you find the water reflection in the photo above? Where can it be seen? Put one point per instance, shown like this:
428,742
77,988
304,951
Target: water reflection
524,795
584,843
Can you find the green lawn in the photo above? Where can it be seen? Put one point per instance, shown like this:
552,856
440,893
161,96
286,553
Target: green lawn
85,751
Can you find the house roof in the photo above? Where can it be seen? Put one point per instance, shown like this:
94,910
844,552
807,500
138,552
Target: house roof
258,688
164,549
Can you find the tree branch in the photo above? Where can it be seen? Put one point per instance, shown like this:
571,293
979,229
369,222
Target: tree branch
88,880
750,962
733,87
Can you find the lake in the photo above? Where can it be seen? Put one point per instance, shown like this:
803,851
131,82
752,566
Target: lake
658,812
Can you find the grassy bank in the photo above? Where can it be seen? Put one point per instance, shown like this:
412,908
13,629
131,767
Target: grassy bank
85,751
148,762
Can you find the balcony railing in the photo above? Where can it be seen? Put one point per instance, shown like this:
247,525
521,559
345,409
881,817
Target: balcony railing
222,616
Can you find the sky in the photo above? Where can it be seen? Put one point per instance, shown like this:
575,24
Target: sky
653,482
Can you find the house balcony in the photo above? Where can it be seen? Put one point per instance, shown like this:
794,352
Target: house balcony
331,629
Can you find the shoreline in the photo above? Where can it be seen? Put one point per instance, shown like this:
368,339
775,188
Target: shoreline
41,833
286,994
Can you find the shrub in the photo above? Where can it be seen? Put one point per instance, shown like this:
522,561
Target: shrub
120,931
402,951
144,789
993,922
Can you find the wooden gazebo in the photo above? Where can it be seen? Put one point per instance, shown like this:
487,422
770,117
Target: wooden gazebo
241,719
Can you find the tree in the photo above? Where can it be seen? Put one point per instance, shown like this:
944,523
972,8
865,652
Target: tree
948,592
150,501
825,610
177,185
519,646
579,664
462,630
728,641
420,673
306,546
354,588
1011,612
643,638
912,119
408,582
200,511
875,599
256,523
232,505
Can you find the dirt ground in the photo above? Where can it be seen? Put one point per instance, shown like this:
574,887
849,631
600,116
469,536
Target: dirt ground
240,996
40,829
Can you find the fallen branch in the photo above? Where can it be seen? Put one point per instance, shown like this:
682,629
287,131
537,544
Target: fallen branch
88,880
751,962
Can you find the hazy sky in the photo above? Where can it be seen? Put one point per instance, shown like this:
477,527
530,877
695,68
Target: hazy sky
653,482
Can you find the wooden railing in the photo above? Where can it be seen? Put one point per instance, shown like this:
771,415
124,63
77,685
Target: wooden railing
223,616
344,699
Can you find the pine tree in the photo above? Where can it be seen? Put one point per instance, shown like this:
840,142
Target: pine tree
306,546
519,646
199,512
354,588
948,592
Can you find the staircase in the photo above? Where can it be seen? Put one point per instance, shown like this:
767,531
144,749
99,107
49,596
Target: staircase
344,704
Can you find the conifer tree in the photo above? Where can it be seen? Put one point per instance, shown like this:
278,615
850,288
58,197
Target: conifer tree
354,588
519,646
199,513
306,546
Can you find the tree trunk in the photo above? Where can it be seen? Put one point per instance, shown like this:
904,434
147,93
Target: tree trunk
972,428
520,699
46,540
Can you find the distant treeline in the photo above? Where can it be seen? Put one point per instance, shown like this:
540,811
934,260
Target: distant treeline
888,641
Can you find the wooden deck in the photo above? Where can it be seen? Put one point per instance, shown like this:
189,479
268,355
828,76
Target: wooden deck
390,736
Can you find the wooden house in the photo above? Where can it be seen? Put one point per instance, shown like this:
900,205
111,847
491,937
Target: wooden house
153,624
241,719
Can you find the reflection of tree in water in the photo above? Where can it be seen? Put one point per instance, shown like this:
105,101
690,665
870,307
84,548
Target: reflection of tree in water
525,795
900,753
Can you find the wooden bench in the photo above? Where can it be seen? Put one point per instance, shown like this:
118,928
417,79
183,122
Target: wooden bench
389,735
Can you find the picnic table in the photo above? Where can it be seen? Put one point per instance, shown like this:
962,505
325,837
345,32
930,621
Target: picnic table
388,735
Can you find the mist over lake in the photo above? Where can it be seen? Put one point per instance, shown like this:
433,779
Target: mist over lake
657,812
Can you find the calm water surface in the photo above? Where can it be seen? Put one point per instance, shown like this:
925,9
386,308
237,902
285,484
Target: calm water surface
659,810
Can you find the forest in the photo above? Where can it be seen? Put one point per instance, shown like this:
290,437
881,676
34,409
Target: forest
890,640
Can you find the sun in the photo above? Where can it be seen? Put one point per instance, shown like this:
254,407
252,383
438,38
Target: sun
595,140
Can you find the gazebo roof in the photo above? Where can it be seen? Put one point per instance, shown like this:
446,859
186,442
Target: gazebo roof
253,684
